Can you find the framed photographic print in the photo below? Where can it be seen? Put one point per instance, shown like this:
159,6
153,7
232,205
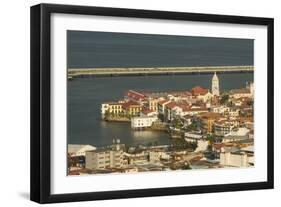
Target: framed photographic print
133,103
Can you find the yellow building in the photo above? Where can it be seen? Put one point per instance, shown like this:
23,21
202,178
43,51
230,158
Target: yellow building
207,121
132,108
112,108
115,108
153,104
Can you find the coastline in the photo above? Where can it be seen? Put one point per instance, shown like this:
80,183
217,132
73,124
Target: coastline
148,71
116,119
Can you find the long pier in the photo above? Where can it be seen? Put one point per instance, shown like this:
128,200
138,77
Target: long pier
96,72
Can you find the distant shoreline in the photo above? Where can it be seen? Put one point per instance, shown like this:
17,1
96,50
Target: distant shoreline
149,71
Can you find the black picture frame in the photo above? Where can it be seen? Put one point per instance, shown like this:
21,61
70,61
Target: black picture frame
41,98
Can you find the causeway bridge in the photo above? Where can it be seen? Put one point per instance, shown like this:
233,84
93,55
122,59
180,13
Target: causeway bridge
128,71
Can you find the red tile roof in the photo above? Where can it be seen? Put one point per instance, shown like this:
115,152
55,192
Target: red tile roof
210,115
130,104
171,105
163,101
198,90
147,111
184,106
135,95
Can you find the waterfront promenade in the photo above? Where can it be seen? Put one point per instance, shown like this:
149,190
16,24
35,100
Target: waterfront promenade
86,72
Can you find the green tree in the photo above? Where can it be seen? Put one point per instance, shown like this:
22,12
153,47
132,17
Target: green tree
224,99
181,144
177,123
211,139
191,127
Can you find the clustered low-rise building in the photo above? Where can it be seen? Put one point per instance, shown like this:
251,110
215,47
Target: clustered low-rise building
219,123
243,157
76,155
164,106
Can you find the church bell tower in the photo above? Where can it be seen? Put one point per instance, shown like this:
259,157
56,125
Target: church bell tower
215,85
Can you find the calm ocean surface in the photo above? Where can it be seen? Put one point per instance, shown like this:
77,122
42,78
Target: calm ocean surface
106,49
85,96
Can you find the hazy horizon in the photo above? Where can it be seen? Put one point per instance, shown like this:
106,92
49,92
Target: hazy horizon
86,49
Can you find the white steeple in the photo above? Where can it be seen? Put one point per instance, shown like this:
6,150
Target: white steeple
215,85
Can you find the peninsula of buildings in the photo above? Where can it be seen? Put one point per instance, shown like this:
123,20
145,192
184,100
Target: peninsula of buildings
208,129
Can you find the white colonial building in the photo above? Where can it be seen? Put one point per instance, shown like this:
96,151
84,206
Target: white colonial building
155,156
142,121
240,158
79,149
236,159
106,158
220,109
192,137
240,133
205,97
